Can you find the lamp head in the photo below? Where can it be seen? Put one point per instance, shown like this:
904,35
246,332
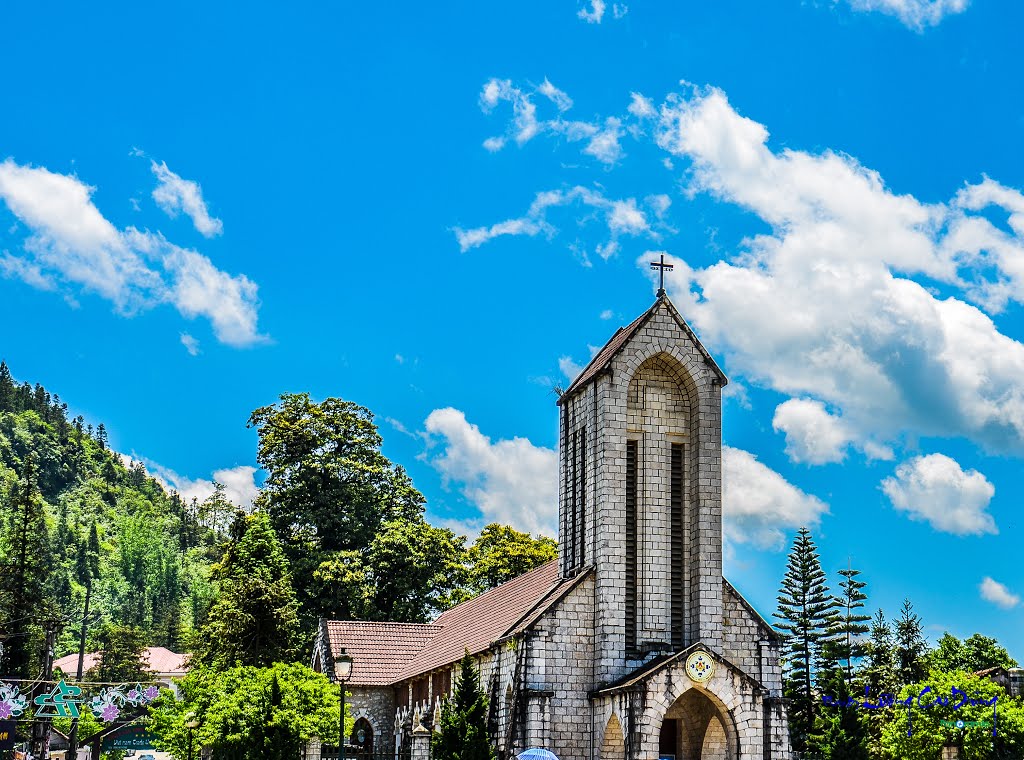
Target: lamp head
342,666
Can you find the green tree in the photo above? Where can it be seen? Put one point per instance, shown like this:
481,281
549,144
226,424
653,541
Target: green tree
248,713
911,647
805,612
463,734
501,553
254,619
975,653
27,547
878,675
409,571
329,489
840,731
122,655
923,720
850,624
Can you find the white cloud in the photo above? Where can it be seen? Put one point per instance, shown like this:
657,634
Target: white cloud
239,482
175,195
509,481
594,14
190,343
619,11
758,504
607,314
936,489
879,348
71,243
812,434
622,217
556,96
568,367
641,107
524,113
995,592
916,14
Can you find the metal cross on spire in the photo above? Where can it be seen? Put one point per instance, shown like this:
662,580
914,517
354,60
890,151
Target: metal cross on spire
661,265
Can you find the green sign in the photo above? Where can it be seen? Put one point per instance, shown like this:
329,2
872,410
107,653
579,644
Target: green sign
965,723
129,737
61,702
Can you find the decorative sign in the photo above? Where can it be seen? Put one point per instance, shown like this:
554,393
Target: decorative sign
64,701
700,667
61,702
965,723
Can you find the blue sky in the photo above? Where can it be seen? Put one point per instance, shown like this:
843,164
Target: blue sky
438,211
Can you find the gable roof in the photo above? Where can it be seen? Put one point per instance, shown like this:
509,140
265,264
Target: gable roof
622,336
379,651
386,653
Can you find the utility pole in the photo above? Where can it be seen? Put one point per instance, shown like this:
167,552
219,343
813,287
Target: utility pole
72,752
41,728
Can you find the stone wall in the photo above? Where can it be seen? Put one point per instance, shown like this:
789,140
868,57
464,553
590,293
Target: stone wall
377,705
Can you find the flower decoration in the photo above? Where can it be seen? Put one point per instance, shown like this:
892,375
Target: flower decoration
12,703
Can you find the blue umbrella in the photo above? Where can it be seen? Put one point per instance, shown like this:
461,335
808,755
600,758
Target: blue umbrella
536,753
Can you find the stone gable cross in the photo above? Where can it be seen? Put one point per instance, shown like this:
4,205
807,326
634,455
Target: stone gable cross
663,267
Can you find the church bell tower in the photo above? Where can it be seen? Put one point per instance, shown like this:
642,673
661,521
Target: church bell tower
640,490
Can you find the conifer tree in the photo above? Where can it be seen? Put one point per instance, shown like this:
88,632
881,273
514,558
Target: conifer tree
911,646
463,734
24,583
849,624
255,618
805,611
840,731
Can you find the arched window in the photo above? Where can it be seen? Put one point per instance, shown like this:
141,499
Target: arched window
362,735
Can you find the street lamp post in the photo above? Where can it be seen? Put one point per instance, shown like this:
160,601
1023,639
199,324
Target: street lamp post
191,723
342,672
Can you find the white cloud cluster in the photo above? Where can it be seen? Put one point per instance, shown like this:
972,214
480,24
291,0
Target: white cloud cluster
936,489
509,481
995,592
595,13
916,14
884,351
758,504
622,218
600,139
239,484
71,243
176,195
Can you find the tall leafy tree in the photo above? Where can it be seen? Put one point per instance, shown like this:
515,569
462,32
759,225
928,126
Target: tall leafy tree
410,571
911,646
840,731
27,545
329,488
254,620
501,553
850,623
805,613
463,734
974,653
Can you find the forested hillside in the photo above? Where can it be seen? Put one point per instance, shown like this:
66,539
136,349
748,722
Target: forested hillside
73,515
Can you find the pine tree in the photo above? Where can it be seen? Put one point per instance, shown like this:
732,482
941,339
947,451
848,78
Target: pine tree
850,625
8,389
25,581
255,618
463,734
840,731
911,646
806,611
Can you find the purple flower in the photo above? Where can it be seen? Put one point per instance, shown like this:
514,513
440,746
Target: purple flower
5,710
133,695
110,712
152,693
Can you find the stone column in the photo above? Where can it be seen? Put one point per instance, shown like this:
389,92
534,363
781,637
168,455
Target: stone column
420,748
313,749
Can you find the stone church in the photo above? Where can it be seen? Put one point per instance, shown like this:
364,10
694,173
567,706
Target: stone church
631,644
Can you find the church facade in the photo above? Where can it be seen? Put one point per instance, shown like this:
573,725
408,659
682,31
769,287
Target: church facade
631,645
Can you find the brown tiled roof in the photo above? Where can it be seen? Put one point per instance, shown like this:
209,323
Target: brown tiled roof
379,651
160,660
479,622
